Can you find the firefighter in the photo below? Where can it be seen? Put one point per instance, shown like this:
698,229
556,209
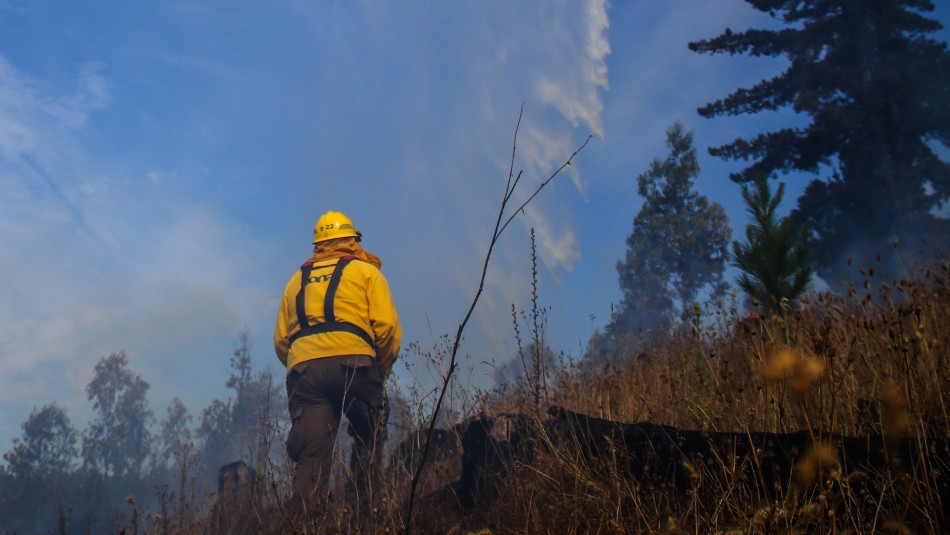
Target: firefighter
338,334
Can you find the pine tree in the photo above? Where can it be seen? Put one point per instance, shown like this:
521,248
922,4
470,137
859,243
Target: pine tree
774,257
877,91
678,244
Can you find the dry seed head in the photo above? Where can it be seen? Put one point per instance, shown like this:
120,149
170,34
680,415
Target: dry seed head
767,515
691,471
811,511
806,372
672,526
857,477
762,516
822,460
780,364
897,420
896,527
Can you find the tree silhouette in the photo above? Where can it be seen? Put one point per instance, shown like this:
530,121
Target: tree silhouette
877,91
244,426
175,437
678,244
117,441
38,472
47,449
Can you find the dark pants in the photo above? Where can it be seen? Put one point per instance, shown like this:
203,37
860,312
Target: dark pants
319,392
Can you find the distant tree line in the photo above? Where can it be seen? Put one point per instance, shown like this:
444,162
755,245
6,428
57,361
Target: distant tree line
57,478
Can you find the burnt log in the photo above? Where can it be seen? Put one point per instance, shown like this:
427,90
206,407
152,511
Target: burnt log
765,467
234,507
490,447
770,466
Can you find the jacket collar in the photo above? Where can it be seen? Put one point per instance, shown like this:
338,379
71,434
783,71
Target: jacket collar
340,247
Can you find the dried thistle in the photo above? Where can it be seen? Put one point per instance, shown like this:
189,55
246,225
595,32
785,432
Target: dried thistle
819,463
780,364
802,370
896,417
806,372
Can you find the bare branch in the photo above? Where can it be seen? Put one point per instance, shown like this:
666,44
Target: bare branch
496,234
545,183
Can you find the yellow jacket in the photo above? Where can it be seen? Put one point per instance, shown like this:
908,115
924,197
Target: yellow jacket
362,299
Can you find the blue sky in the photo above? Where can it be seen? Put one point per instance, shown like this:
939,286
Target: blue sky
162,165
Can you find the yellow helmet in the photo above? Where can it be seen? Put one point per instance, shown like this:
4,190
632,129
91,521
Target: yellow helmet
332,225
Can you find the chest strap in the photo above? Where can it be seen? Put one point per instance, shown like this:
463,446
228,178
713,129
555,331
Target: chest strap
330,323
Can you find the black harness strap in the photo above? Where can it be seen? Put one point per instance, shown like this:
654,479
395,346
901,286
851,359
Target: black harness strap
330,323
301,309
328,314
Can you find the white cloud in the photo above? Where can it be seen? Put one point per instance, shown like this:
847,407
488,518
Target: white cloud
92,93
578,97
95,263
558,244
572,85
16,105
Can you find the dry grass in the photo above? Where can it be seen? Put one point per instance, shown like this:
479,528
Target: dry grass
872,362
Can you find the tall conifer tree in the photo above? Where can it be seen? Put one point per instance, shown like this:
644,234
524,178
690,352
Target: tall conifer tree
877,91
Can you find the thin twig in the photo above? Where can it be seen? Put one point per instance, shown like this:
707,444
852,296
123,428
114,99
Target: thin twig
496,234
545,183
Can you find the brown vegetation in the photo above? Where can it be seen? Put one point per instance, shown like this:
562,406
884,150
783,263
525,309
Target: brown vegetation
852,389
858,383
